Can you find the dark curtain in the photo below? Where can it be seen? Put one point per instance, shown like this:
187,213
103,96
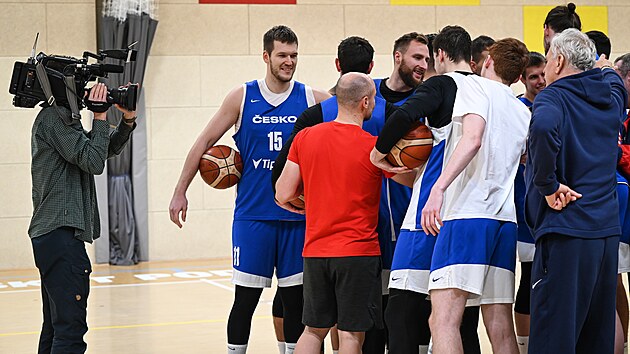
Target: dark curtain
128,218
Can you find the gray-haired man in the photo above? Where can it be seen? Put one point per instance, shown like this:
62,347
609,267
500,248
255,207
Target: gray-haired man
573,147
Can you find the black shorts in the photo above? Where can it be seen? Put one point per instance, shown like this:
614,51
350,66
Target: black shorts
345,291
521,305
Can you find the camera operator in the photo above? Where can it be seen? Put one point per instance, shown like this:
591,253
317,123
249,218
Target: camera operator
65,159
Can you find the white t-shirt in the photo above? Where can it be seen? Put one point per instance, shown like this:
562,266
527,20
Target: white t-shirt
485,188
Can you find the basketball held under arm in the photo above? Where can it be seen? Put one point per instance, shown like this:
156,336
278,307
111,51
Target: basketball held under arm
378,159
289,184
426,100
225,118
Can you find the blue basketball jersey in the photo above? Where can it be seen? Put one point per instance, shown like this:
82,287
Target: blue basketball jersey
259,138
377,83
526,102
374,125
400,195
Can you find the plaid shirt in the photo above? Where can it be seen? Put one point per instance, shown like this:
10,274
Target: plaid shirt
65,159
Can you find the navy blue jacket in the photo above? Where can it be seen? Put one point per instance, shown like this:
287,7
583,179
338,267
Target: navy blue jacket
573,138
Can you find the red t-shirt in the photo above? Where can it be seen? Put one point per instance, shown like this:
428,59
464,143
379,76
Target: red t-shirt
623,165
341,188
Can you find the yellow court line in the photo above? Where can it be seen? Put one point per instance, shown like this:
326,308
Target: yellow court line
139,325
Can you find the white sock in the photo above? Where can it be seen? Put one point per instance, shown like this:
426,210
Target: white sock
335,352
290,347
625,348
281,347
424,349
237,348
523,344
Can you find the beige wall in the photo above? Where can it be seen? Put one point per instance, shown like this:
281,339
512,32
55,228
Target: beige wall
201,52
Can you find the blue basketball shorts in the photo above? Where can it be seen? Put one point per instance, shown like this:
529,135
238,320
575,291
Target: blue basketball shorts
477,256
259,247
412,261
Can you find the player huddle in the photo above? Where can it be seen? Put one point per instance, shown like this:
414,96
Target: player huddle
375,239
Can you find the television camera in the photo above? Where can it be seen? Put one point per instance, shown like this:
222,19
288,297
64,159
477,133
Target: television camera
61,80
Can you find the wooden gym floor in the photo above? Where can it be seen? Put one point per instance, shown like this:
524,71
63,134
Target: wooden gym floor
151,308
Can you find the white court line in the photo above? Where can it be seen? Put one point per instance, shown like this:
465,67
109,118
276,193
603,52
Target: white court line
213,282
134,285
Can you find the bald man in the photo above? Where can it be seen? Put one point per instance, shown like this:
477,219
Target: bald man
342,266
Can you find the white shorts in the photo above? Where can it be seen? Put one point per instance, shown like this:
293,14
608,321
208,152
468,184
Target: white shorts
477,256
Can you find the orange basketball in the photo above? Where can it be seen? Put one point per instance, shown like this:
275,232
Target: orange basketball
221,167
413,149
299,202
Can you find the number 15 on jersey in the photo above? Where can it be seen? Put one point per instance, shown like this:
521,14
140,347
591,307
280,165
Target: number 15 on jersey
275,141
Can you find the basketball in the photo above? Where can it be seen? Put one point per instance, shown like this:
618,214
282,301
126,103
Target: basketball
221,166
299,202
413,149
